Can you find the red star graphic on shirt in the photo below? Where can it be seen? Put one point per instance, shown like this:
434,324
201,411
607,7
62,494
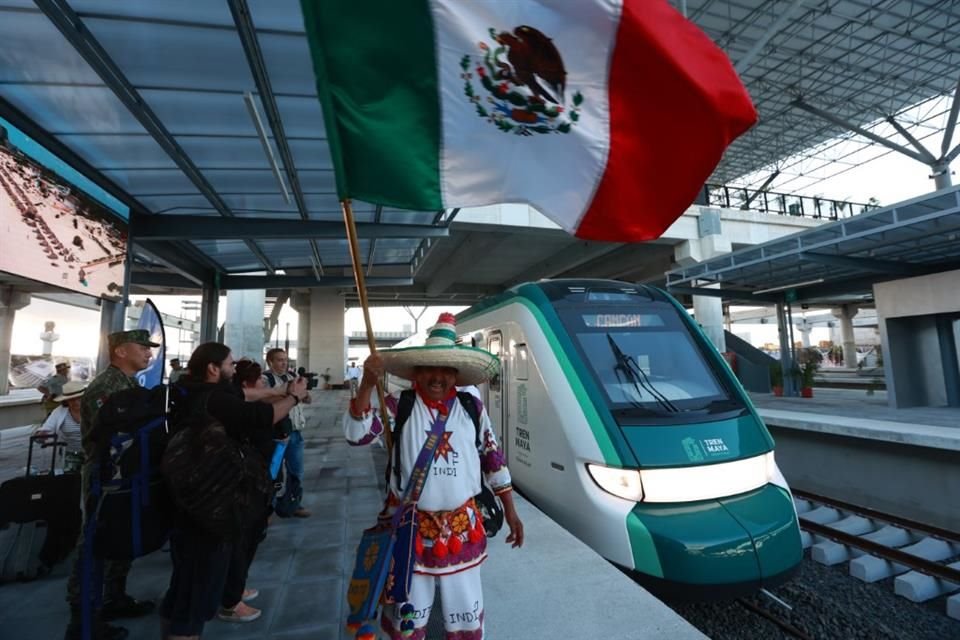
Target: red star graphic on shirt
444,448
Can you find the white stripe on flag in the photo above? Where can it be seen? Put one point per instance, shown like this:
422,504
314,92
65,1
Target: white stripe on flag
556,173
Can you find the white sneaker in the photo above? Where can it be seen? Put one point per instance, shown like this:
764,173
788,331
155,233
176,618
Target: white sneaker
240,613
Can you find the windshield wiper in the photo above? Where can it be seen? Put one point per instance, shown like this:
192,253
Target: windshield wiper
717,406
638,377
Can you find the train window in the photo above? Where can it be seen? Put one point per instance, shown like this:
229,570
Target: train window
522,368
669,369
494,343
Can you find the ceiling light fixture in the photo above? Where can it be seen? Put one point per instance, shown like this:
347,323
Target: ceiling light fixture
267,148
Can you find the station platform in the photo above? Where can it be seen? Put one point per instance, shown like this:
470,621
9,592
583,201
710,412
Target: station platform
848,445
852,413
554,587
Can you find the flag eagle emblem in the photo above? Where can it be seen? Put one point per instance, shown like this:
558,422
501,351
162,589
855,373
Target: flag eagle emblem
524,81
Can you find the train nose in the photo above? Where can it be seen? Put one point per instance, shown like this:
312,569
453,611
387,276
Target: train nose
717,548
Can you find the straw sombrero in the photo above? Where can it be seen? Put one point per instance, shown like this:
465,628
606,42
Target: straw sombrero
70,391
474,366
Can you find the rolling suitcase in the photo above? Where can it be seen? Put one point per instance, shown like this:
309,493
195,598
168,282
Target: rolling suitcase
31,507
20,547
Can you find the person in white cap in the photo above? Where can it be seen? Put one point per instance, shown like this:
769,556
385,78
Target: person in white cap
451,542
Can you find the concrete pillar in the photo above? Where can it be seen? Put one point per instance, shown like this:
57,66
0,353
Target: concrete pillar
948,355
941,176
804,328
301,303
243,329
111,320
845,313
326,334
707,310
11,301
786,352
209,310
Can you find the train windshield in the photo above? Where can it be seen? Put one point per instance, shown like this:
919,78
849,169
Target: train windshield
647,361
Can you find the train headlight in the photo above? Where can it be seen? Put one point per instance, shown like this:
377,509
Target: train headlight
708,482
623,483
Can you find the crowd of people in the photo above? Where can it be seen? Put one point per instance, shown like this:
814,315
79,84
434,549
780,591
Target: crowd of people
255,408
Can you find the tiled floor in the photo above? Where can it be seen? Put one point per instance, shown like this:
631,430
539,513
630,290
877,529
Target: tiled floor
300,569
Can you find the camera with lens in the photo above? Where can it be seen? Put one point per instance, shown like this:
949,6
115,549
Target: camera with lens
313,379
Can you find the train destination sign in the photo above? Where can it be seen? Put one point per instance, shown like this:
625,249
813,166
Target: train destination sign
613,320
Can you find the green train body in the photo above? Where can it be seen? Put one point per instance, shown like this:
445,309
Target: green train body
622,422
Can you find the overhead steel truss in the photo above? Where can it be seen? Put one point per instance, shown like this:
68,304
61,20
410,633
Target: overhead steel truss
71,27
863,62
258,68
845,257
866,63
153,227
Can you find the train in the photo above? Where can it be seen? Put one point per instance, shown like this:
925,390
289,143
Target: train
621,422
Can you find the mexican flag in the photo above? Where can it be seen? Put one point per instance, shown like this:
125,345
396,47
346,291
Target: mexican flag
605,115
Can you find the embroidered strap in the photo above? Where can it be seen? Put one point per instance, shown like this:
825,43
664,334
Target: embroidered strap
422,466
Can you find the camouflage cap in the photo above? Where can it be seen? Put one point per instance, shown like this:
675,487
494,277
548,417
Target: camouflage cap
137,336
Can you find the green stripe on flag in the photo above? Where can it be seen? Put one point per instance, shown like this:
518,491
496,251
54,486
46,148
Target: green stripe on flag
377,72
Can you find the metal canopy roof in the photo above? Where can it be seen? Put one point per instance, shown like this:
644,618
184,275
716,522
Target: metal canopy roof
840,260
860,60
148,99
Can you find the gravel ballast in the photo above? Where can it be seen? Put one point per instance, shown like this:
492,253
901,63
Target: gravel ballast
827,604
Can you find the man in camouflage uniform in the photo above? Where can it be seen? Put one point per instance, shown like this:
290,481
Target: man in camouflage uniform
129,353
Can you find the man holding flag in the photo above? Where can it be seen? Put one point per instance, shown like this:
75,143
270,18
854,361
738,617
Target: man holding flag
607,116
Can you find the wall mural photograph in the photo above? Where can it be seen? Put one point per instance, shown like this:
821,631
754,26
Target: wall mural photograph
54,233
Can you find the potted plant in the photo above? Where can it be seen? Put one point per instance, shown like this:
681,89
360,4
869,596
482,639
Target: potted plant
807,371
326,378
776,379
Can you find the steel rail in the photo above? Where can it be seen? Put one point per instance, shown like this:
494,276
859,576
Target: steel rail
943,534
780,622
922,565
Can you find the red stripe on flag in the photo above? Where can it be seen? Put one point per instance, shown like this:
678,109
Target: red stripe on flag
675,105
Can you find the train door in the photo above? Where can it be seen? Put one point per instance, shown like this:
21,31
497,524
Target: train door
496,391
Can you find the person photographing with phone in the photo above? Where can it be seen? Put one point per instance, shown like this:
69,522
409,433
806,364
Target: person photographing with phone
289,504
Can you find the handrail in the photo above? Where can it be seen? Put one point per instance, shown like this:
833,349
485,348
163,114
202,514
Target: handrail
783,204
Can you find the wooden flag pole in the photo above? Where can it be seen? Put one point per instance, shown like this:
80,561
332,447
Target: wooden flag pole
362,292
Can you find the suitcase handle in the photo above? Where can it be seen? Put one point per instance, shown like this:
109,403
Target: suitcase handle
45,440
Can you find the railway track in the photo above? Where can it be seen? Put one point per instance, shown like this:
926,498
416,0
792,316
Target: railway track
784,625
879,546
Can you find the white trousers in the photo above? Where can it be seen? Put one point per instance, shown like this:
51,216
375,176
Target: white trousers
461,599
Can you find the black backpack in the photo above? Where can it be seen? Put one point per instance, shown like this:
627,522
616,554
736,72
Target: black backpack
134,512
128,413
218,482
490,507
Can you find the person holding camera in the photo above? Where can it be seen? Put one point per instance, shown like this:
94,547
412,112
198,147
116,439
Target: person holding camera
289,504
